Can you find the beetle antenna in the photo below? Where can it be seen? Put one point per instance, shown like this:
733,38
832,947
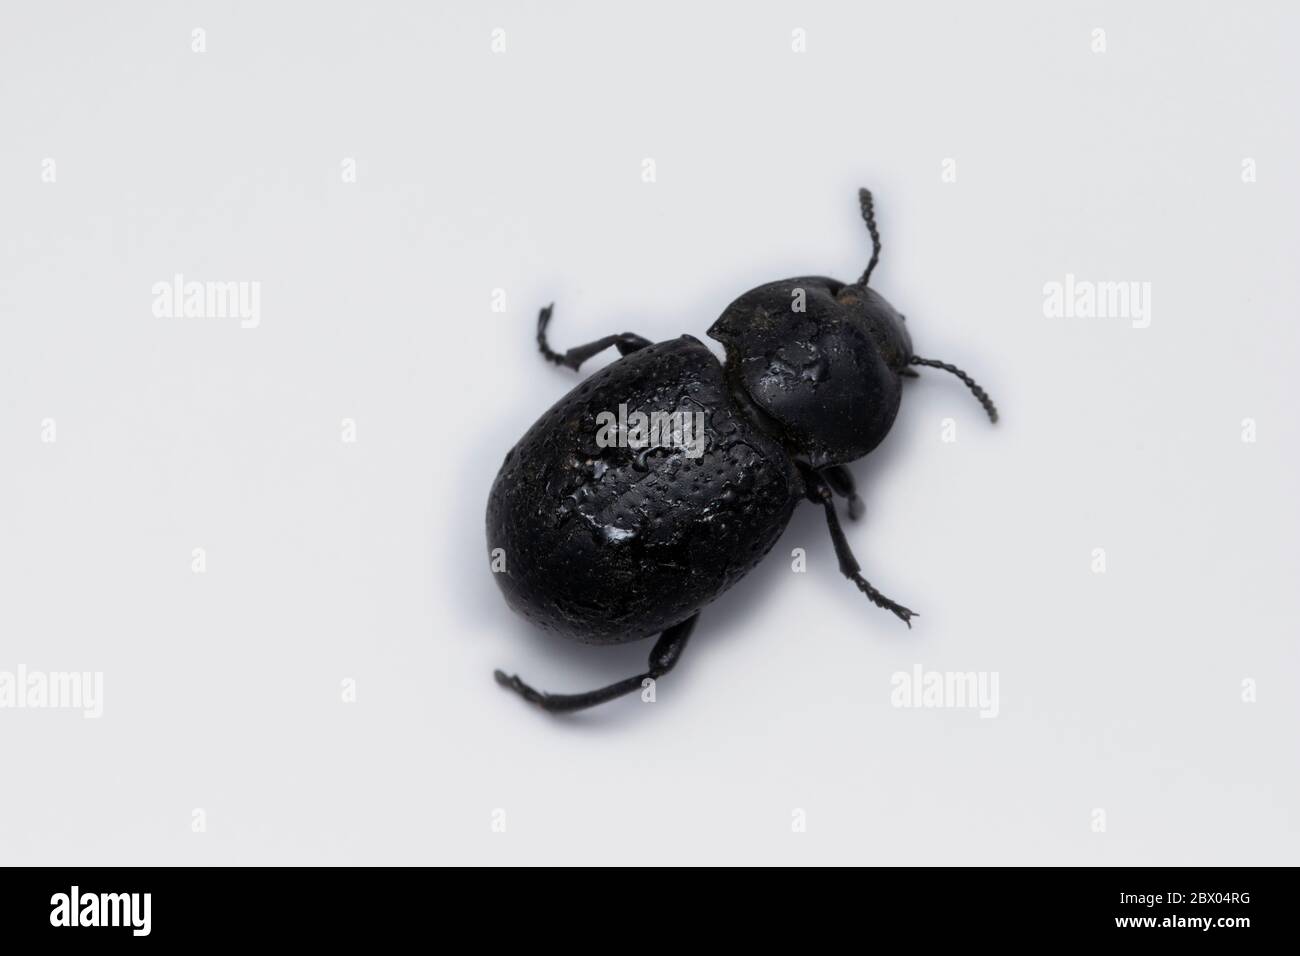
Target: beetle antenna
869,217
982,395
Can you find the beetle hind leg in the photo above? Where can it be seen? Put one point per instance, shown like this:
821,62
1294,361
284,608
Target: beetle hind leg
625,342
663,658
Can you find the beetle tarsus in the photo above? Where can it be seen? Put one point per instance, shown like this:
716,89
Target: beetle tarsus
625,342
879,600
514,682
819,490
543,320
663,658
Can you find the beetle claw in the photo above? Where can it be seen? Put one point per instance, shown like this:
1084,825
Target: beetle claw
904,614
513,682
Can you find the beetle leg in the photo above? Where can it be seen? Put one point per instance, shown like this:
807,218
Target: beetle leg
819,491
663,657
841,481
626,342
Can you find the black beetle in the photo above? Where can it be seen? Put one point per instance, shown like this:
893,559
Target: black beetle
613,534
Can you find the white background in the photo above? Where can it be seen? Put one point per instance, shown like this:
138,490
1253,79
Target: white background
522,171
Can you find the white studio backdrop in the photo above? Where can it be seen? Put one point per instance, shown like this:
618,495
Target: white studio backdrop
262,527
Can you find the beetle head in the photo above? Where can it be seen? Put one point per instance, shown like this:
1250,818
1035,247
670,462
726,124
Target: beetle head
821,364
820,360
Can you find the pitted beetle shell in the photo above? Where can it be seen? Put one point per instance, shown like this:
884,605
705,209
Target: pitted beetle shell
607,545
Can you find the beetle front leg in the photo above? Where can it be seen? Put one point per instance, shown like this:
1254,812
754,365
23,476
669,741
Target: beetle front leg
625,342
663,658
819,491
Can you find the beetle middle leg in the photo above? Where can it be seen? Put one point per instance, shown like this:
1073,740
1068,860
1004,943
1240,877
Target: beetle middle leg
663,658
841,481
625,342
819,491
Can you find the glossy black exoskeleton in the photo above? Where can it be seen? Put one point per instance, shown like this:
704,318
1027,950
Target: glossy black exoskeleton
612,532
